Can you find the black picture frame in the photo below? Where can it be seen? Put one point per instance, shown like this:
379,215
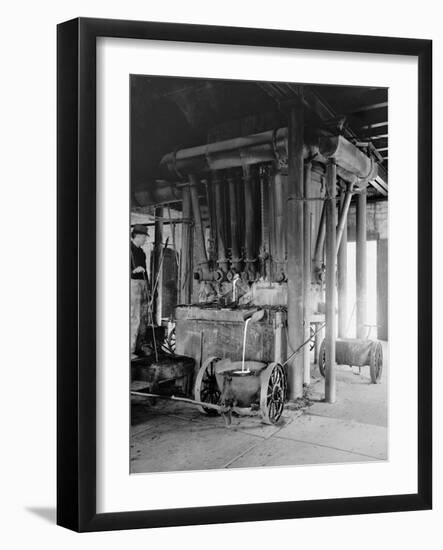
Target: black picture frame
76,281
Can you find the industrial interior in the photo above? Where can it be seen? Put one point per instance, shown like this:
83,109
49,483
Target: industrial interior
267,272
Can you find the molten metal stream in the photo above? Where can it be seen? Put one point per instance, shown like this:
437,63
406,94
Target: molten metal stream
244,347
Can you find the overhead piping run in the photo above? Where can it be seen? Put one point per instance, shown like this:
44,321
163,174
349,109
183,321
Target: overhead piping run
230,153
348,157
357,169
268,146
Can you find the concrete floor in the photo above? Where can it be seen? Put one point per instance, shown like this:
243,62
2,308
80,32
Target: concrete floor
171,436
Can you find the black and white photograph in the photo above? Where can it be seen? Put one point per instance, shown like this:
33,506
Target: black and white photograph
257,274
221,291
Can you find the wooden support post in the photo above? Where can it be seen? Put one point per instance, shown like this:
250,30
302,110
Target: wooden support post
331,256
307,274
342,282
361,261
280,345
382,289
186,255
295,258
156,265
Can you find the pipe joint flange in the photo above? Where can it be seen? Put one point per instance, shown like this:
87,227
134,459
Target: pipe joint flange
219,275
361,183
231,274
174,165
280,154
249,275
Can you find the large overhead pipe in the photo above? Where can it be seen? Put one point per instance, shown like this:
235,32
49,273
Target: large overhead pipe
331,222
295,258
349,157
249,213
271,145
233,216
222,260
361,262
230,153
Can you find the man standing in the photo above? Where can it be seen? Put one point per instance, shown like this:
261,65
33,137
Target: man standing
139,280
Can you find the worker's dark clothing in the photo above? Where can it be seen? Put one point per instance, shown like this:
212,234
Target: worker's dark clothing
139,291
138,259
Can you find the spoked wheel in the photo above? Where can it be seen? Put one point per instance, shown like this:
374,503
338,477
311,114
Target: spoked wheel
272,393
376,362
322,358
206,388
168,344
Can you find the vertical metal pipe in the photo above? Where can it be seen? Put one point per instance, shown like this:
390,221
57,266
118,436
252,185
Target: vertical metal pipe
264,251
233,215
361,277
186,256
294,226
319,244
331,224
249,222
222,261
342,264
272,217
198,225
279,197
307,273
343,218
158,246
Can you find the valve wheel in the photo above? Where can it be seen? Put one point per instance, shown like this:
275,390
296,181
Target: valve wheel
206,388
376,363
272,393
322,358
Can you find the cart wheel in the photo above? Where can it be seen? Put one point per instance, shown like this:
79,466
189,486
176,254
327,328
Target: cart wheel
169,342
272,393
376,362
206,388
322,358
